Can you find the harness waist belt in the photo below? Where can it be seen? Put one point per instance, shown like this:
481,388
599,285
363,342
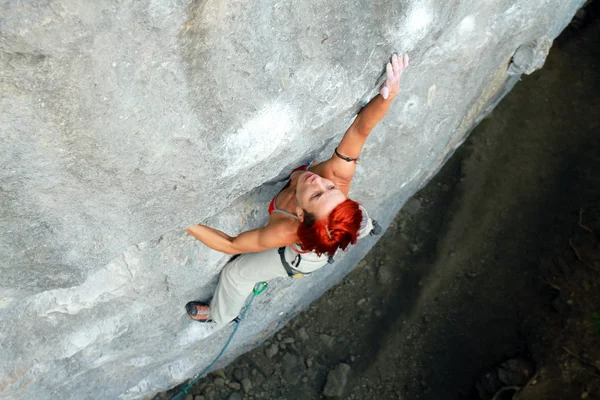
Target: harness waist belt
291,271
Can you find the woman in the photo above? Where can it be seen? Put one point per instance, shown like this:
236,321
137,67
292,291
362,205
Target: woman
309,219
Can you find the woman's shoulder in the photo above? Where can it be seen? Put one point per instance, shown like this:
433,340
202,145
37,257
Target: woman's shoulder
325,170
320,168
283,226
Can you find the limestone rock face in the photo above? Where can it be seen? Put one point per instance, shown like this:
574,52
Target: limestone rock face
122,123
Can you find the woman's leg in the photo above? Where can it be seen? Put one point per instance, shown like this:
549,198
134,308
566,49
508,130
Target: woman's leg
237,280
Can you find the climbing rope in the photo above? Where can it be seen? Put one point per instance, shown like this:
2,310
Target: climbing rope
258,289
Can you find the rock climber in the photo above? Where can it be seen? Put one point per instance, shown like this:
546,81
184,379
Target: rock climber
310,219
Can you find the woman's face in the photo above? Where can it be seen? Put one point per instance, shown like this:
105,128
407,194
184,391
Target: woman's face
317,195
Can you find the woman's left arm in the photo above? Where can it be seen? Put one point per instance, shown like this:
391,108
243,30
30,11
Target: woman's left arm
355,137
267,237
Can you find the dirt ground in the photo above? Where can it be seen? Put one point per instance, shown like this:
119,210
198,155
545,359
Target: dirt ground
486,285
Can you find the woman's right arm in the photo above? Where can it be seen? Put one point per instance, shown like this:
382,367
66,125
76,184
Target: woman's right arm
356,136
267,237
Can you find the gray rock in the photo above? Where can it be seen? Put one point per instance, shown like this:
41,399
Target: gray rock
516,372
235,396
336,381
412,206
235,385
530,57
293,368
302,334
240,373
125,123
219,382
257,379
272,350
219,372
246,384
327,340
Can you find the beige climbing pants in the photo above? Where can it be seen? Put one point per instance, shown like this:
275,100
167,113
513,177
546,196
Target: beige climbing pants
241,274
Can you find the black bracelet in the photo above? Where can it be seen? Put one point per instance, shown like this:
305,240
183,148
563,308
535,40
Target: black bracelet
347,159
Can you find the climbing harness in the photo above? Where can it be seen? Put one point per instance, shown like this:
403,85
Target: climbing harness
258,289
294,272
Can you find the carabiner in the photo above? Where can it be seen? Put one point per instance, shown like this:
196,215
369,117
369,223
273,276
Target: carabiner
260,287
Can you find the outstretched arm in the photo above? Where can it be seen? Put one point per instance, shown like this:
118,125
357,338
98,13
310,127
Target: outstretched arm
268,237
376,109
355,137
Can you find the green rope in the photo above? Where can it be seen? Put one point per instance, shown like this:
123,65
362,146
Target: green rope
258,289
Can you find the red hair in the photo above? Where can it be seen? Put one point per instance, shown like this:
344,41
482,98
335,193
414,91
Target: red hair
337,230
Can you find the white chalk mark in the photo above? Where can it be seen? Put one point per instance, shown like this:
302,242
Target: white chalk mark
413,27
431,94
102,286
5,301
466,25
196,332
418,19
259,137
97,333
